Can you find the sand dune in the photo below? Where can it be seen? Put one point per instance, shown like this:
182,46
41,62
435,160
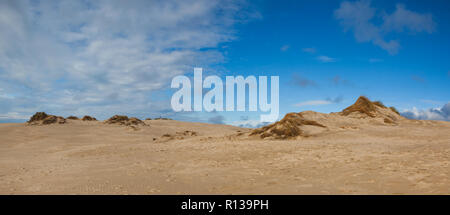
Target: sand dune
365,149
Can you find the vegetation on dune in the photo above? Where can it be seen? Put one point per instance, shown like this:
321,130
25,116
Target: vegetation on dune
88,118
362,105
394,110
124,120
288,127
41,118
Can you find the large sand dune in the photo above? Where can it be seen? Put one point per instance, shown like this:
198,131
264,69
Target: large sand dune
364,150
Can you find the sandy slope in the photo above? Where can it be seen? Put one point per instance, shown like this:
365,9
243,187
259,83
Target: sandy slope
95,158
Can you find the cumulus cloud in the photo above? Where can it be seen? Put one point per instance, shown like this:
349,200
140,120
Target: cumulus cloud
80,57
442,113
360,17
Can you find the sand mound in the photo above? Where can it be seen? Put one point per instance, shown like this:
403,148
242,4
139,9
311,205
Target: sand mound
309,123
88,118
124,120
288,127
364,106
73,118
41,118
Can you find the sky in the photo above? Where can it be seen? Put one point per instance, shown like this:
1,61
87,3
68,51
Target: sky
109,57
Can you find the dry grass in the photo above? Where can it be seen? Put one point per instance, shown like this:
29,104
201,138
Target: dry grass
88,118
362,105
124,120
41,118
162,118
393,109
38,116
379,104
288,127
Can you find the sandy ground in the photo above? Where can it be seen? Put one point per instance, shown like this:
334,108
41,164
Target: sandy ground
94,158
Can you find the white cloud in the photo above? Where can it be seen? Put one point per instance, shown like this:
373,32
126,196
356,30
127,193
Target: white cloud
442,113
82,56
360,17
326,59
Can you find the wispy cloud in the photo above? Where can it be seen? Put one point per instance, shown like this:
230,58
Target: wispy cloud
326,59
313,103
442,113
243,118
335,100
219,119
360,17
418,79
375,60
428,101
284,48
320,102
321,58
301,81
309,50
338,80
14,115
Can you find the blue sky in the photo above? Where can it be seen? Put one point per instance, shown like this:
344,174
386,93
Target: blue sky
114,57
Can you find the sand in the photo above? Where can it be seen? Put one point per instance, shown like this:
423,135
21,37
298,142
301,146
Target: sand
173,157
